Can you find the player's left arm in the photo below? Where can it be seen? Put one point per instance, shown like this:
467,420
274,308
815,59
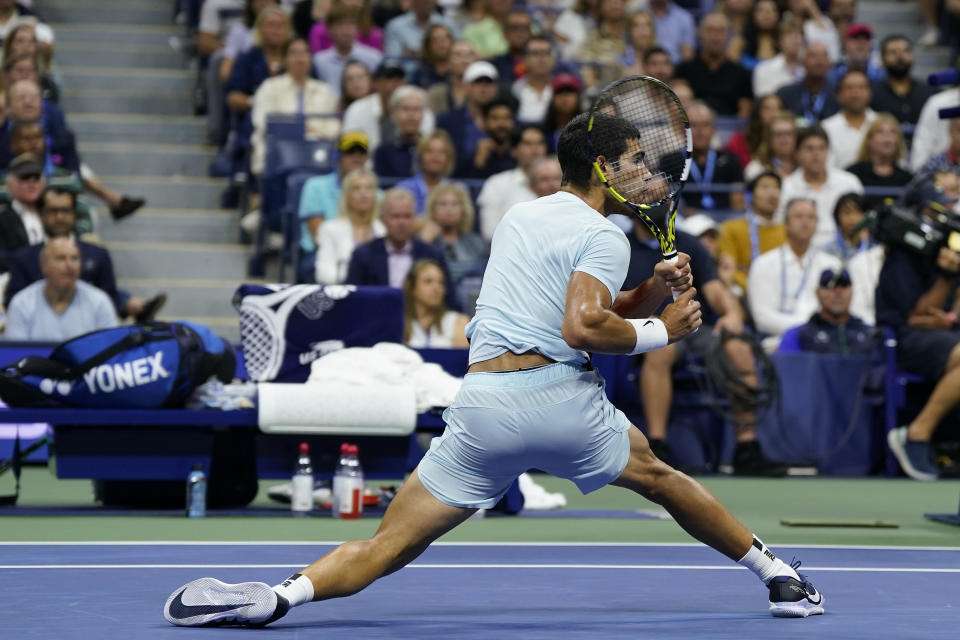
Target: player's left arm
642,301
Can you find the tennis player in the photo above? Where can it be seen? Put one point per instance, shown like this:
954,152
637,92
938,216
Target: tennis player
531,400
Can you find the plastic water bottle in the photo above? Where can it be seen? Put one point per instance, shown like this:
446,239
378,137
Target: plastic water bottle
348,492
301,498
197,492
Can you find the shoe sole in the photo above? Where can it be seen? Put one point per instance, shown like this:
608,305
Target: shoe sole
800,609
210,602
896,446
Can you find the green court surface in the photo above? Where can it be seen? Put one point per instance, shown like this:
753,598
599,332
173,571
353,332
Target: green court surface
760,503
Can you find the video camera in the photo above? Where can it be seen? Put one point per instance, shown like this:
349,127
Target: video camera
898,225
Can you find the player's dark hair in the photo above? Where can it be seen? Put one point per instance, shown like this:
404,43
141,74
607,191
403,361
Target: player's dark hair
573,150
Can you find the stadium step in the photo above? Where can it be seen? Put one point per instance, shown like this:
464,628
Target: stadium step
98,32
129,55
181,260
128,12
125,101
147,159
90,78
137,128
173,225
177,192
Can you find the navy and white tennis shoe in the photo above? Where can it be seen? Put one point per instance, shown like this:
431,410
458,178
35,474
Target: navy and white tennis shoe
792,598
210,602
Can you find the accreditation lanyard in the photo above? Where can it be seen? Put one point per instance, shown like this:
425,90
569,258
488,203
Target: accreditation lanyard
783,280
845,248
754,235
812,111
705,178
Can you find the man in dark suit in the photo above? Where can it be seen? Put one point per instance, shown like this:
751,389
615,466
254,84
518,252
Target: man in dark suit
58,216
19,222
386,261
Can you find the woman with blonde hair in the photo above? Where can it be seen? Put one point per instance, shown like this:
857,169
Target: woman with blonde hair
357,222
427,322
449,227
436,158
881,152
777,151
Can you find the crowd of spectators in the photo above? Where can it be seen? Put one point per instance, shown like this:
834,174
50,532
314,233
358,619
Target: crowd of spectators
447,112
50,290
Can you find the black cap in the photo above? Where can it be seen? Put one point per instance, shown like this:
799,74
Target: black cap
389,69
26,164
830,278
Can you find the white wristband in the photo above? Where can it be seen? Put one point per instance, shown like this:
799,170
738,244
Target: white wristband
651,334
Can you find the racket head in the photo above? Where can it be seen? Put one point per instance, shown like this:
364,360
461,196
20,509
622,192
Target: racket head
650,172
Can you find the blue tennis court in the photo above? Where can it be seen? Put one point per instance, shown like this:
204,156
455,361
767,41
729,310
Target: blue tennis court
117,590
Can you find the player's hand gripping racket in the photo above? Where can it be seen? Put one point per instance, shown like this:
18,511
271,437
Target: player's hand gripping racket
651,175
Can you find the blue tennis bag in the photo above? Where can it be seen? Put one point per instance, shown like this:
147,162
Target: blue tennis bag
137,366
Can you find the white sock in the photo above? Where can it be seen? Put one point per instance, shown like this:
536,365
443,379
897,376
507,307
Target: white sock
297,589
762,562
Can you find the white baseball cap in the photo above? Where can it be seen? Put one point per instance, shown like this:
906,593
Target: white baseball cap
480,69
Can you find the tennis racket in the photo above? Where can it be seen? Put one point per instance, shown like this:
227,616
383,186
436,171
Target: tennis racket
651,175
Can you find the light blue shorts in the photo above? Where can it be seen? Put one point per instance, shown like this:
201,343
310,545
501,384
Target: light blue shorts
555,418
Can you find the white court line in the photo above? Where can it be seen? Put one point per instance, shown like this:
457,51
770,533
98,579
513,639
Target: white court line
694,567
326,543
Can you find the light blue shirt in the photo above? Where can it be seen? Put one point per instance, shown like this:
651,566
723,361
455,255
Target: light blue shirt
674,29
329,64
30,316
403,33
536,248
320,196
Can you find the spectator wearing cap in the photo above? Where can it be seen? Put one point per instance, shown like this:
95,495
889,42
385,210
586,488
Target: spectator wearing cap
898,93
785,68
343,23
743,239
371,114
507,188
565,105
19,218
293,92
724,85
436,158
814,178
711,166
465,125
320,197
858,54
60,306
949,160
676,29
403,35
781,286
58,214
832,329
395,158
533,91
812,98
917,298
847,127
513,64
487,34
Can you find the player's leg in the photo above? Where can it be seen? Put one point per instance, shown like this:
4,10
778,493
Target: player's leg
413,520
656,390
702,516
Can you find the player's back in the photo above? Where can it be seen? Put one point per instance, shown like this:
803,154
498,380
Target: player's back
536,248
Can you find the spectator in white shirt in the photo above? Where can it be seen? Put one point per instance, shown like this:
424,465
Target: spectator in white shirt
782,283
931,135
847,127
785,68
505,189
533,91
371,114
356,224
814,179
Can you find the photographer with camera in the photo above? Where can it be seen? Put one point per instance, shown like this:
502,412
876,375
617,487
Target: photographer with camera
916,296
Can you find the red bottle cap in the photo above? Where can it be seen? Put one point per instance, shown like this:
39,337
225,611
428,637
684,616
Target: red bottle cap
344,448
304,448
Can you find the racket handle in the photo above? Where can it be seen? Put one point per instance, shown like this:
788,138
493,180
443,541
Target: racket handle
673,260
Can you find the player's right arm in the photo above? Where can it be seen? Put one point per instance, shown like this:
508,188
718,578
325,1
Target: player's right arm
589,323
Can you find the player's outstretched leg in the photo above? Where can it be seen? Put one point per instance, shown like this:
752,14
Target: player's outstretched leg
414,520
702,516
